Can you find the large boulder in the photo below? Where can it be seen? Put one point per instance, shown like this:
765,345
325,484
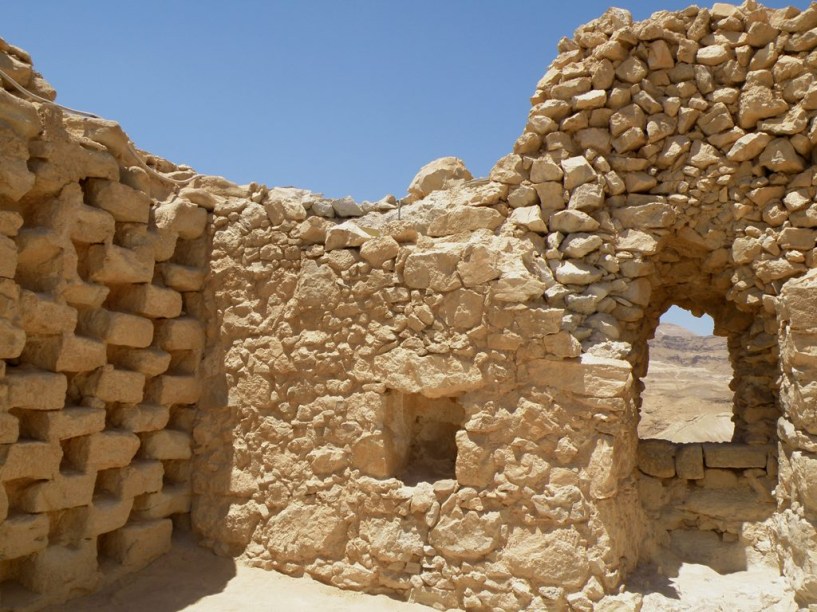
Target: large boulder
442,173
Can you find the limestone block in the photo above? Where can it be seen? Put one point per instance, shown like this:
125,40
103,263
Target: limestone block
62,568
30,459
111,264
12,340
182,217
656,458
734,455
135,479
589,376
469,536
81,294
150,301
655,214
103,515
19,114
35,389
127,205
689,461
432,375
184,278
441,173
172,499
168,389
23,534
465,219
113,385
8,257
66,490
182,334
149,361
804,470
65,353
300,532
54,425
379,250
797,238
166,444
9,428
41,314
529,217
102,450
780,156
137,544
118,328
92,225
345,235
565,565
139,418
571,221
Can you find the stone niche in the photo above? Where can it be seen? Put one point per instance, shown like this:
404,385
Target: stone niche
422,433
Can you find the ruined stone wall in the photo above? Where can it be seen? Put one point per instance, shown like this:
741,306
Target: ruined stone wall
101,268
440,399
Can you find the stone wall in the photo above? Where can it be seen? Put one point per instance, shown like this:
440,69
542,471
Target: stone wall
438,397
101,268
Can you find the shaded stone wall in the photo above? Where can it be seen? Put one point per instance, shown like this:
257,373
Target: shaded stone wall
100,275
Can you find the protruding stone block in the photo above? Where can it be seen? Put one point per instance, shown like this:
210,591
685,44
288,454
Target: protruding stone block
168,390
150,301
9,428
23,534
65,353
30,459
118,328
111,264
149,361
103,450
183,278
137,544
166,444
173,499
64,491
92,225
182,334
12,340
35,389
135,479
127,205
61,568
182,217
142,417
70,422
105,514
112,385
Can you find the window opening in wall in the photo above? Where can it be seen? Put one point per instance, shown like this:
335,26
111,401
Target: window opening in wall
423,432
687,395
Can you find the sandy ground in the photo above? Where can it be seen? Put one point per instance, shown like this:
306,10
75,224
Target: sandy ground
700,588
192,578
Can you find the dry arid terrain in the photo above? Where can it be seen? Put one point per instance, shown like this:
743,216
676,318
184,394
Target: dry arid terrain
686,396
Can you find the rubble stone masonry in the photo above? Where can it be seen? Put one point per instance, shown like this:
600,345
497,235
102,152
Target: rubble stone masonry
437,400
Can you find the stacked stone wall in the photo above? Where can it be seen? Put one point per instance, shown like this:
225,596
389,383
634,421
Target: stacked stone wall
101,268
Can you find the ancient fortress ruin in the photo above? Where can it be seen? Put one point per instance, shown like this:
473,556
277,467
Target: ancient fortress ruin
437,400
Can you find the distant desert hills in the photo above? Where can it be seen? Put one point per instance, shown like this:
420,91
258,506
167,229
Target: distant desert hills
686,396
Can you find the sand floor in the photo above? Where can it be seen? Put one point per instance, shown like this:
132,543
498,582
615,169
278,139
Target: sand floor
192,578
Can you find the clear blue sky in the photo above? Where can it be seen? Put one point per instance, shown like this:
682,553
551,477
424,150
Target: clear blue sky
341,97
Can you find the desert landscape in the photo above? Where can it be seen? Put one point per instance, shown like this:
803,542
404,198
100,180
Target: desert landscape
686,396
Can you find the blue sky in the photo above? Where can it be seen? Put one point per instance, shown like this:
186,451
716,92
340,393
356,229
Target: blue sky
341,97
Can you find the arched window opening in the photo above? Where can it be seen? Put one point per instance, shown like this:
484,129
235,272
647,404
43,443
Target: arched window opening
687,395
